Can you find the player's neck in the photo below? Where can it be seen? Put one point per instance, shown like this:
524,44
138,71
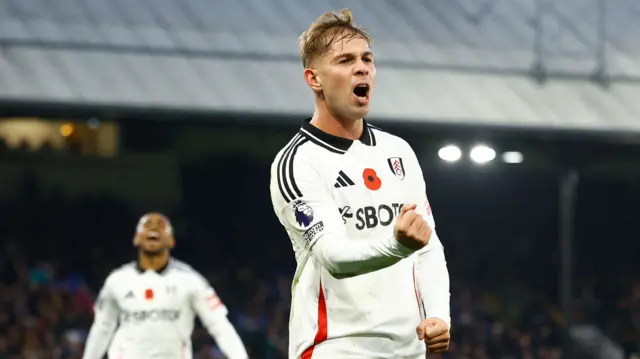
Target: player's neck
153,262
324,120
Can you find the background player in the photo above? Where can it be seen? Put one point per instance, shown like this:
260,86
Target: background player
369,274
154,301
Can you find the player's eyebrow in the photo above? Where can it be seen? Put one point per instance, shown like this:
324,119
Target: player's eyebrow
349,55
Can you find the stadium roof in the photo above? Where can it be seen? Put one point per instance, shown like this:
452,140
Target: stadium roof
437,61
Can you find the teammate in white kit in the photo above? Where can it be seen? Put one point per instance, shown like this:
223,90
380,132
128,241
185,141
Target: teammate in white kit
153,303
371,278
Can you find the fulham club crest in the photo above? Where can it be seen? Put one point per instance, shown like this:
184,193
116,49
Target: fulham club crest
396,166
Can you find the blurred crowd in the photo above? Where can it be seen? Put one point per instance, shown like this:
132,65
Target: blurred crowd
56,252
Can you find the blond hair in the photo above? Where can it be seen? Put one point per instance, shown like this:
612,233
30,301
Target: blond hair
326,30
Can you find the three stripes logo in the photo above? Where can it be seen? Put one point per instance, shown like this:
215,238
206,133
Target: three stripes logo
343,181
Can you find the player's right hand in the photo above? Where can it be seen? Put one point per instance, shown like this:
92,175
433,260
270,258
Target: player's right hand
411,230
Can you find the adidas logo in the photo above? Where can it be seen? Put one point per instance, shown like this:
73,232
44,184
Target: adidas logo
343,181
129,295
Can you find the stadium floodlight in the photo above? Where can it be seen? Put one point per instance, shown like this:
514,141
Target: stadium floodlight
482,154
512,157
450,153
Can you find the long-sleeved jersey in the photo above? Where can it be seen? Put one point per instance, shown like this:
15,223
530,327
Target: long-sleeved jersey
357,292
152,314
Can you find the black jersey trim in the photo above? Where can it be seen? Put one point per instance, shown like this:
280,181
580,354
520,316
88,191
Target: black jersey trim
161,270
372,136
334,143
286,179
317,141
374,141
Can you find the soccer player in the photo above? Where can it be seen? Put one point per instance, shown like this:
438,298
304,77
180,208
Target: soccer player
371,278
153,302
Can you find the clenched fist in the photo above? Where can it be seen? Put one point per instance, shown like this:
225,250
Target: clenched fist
411,230
435,333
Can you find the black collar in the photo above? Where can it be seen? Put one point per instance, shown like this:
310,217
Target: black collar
160,270
334,143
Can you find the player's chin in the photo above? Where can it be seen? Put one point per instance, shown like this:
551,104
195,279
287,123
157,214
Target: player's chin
152,249
359,110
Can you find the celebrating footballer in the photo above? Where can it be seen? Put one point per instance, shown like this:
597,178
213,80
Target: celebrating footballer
371,278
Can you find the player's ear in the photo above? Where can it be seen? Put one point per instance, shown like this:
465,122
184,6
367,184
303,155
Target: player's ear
136,240
172,242
312,77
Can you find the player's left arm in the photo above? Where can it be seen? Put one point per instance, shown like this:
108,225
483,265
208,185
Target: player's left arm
213,315
432,275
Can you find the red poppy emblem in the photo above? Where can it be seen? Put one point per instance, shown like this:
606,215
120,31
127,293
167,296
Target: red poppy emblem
371,179
148,294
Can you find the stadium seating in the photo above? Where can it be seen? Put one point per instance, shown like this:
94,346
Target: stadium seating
444,62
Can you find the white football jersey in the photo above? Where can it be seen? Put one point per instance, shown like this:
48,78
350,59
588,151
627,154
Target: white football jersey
155,312
357,293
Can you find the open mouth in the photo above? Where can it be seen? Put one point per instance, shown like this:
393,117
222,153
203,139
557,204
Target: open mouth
361,91
153,236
